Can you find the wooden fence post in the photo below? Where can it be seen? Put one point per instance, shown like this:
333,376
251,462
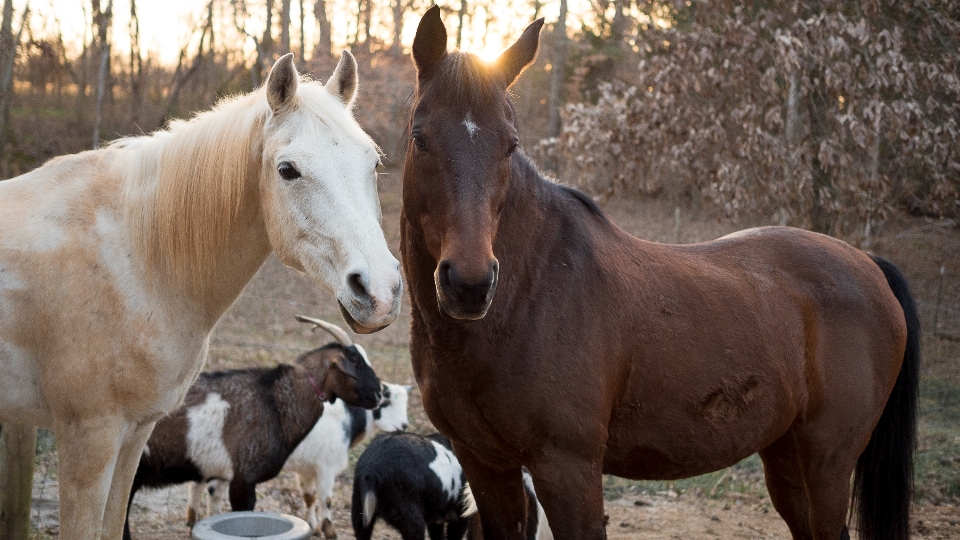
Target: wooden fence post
18,446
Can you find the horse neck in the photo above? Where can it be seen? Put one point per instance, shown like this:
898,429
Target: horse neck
172,213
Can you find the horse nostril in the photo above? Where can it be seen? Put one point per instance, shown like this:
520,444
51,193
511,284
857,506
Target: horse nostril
443,272
494,270
358,285
403,426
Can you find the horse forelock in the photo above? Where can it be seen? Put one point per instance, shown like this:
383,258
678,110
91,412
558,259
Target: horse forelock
467,81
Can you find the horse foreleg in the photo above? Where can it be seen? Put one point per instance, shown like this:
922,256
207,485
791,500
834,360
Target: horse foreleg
88,451
570,489
127,462
499,494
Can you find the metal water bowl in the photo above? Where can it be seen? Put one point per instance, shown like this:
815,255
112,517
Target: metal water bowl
260,525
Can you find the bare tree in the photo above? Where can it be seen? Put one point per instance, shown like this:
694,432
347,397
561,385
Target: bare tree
367,24
8,57
460,16
398,9
182,75
324,43
136,65
268,32
303,33
559,66
104,20
284,26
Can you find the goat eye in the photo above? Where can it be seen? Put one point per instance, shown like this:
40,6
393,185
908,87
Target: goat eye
288,171
419,143
512,148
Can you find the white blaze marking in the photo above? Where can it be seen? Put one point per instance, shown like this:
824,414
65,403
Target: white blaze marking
447,469
472,127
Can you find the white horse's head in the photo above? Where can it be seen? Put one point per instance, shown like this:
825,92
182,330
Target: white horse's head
318,187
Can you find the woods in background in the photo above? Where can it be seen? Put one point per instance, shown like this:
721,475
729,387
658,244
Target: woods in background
831,115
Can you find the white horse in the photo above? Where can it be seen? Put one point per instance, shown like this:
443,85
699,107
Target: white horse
116,264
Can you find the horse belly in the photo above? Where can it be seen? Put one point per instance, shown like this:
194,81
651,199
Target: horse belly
680,442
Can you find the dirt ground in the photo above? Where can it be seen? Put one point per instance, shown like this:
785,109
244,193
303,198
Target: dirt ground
260,330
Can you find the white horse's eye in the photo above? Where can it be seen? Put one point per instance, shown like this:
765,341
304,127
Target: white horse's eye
288,171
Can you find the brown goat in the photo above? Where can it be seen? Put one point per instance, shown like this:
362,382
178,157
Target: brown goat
240,426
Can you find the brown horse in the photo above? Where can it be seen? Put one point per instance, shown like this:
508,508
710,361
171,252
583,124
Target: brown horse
543,335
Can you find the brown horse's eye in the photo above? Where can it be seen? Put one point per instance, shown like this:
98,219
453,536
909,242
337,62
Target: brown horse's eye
512,148
288,171
419,143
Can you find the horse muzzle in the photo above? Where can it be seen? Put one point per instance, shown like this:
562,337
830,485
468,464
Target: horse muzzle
366,308
462,298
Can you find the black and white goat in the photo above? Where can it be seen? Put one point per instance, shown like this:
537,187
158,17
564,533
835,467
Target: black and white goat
240,426
413,483
325,452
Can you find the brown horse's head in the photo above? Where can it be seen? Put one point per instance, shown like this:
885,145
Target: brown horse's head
462,136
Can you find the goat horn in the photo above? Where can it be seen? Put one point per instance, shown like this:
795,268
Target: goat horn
340,334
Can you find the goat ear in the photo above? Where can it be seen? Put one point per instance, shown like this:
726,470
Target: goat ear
346,367
344,81
430,43
521,54
282,83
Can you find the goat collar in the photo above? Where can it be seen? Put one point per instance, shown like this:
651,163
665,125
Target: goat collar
316,387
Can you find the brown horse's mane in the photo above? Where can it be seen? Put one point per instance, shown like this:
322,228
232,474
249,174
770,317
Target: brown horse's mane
524,169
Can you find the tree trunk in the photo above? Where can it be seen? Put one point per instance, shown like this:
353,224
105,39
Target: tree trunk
182,77
7,57
267,40
103,31
136,65
818,108
367,25
397,27
324,43
618,27
18,446
303,34
356,35
284,26
460,16
558,70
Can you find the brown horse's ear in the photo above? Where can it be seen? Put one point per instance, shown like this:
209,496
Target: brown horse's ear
282,83
521,54
430,43
343,83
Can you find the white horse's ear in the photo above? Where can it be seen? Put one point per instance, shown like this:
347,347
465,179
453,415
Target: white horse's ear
343,83
282,83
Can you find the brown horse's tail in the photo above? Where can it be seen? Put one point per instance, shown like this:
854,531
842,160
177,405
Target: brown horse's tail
883,479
